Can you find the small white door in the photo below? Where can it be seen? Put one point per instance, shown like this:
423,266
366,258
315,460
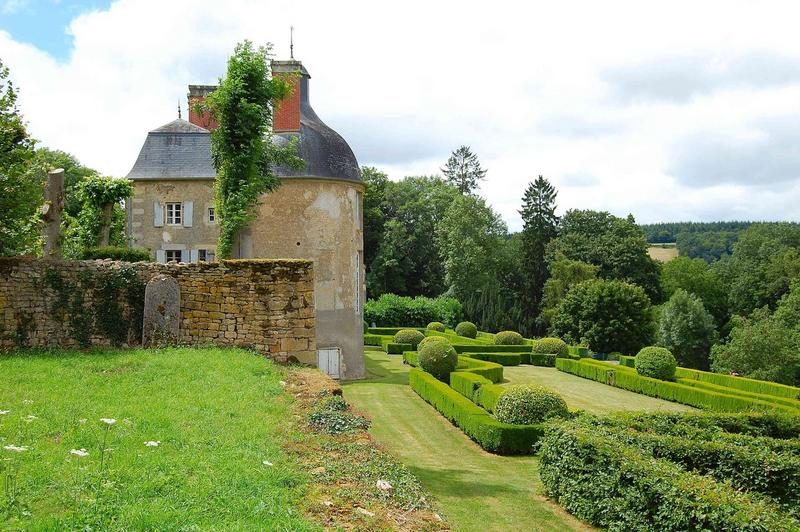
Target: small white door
329,360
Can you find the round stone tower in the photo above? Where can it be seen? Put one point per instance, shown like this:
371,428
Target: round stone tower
316,214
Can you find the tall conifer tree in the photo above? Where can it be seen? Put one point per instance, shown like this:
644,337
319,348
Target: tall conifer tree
463,169
540,226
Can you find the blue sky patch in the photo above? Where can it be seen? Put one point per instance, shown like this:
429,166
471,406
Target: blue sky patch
43,23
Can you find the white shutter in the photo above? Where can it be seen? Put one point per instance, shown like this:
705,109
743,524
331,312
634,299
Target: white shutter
194,255
184,255
188,212
158,215
161,256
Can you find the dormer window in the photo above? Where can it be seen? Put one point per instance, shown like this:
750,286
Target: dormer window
174,214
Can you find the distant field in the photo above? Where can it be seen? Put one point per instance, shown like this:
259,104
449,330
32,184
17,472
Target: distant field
663,252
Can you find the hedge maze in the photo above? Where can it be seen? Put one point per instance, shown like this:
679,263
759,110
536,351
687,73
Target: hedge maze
734,466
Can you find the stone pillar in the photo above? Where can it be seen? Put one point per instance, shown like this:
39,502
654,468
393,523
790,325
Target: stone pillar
105,225
51,213
162,311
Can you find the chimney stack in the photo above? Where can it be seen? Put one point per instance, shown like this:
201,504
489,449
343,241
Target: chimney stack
287,112
197,95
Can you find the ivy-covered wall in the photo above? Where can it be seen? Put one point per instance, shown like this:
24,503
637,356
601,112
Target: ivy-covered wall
266,305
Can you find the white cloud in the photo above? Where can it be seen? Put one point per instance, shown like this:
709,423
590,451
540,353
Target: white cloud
527,85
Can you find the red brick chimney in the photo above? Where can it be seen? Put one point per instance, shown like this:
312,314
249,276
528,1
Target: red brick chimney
287,112
197,94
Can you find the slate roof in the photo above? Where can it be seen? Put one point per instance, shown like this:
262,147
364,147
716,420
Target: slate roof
178,150
182,150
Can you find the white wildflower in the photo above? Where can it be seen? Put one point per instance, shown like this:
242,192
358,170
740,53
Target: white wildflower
4,412
83,421
108,421
79,452
27,402
283,383
30,418
383,485
15,448
267,463
152,443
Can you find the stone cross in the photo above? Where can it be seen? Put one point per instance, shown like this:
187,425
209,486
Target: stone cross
162,311
51,213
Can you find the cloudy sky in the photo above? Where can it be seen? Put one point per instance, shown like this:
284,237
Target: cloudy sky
667,110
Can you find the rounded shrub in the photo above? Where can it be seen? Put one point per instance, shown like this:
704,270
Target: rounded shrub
551,346
436,326
438,358
528,404
656,362
430,339
467,329
508,338
408,336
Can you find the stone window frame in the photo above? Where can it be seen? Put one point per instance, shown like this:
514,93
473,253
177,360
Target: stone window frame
211,215
170,212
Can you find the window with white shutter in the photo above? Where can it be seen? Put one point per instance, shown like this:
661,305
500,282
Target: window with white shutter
188,213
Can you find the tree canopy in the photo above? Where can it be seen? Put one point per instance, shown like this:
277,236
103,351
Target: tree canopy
463,170
19,196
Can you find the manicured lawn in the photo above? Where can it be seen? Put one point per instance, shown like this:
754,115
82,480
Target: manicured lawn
474,489
589,395
218,415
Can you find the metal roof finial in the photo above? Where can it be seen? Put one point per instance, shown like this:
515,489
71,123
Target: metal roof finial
291,42
179,109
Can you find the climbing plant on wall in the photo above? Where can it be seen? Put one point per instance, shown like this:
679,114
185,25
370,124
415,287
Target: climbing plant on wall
100,219
242,149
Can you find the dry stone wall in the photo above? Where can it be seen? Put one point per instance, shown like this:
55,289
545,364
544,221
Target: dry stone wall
267,305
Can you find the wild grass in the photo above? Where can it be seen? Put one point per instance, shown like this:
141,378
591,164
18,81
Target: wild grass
196,442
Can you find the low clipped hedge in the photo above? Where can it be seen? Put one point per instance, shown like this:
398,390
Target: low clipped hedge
740,383
508,338
118,253
390,331
794,403
373,339
618,487
578,351
628,379
408,336
488,395
504,359
627,361
541,359
411,358
551,346
490,434
756,469
656,362
483,348
391,310
398,349
467,384
489,370
466,329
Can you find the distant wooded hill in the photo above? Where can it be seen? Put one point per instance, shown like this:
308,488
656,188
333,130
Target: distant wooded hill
707,240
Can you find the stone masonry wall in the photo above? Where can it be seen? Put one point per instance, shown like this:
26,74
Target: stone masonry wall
267,305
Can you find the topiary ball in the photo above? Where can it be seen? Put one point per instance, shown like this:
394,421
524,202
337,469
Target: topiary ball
436,326
438,358
508,338
656,362
525,405
408,336
431,339
551,346
467,329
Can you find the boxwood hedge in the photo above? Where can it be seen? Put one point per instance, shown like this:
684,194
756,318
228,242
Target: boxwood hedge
619,487
476,423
